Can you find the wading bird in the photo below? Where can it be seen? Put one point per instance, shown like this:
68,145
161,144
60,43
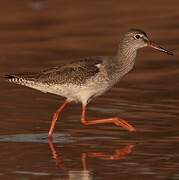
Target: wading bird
87,78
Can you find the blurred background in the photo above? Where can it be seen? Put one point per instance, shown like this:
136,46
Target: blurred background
42,34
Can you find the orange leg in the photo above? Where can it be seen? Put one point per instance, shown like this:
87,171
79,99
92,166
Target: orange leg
55,117
115,120
84,161
59,161
118,155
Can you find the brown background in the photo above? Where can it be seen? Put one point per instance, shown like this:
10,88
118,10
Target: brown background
40,34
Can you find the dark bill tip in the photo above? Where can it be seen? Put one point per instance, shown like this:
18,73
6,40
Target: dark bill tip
155,46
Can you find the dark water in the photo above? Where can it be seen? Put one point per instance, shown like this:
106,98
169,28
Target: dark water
40,34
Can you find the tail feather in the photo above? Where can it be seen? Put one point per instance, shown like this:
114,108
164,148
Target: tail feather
19,78
9,76
13,78
25,76
26,79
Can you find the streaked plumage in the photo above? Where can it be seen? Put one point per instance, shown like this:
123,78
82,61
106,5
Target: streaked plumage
93,75
83,79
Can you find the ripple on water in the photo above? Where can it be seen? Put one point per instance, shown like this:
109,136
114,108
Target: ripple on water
63,138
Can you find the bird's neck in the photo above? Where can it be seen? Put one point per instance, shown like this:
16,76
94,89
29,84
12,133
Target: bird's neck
126,56
126,52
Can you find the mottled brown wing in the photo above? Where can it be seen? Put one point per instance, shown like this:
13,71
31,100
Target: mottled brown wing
75,72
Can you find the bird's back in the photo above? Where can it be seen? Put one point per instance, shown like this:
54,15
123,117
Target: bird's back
79,80
76,72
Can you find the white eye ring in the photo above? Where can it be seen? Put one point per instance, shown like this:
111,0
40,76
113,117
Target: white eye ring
137,36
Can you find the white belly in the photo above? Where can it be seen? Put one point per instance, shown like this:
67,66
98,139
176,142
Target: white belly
77,93
71,92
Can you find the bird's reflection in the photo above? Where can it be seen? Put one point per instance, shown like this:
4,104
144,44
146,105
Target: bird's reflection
85,173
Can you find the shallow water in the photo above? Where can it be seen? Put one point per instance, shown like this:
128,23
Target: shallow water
40,34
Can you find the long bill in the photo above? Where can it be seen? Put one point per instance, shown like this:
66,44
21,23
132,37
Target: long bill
155,46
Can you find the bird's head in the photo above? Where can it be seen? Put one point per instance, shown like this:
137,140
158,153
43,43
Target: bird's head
136,38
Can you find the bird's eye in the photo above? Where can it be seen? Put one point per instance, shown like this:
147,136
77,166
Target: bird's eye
137,36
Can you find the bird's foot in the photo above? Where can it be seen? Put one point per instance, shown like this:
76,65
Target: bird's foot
124,124
115,120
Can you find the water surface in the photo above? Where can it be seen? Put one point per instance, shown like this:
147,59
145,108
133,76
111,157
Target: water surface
40,34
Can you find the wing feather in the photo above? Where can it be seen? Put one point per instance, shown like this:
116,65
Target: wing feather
77,72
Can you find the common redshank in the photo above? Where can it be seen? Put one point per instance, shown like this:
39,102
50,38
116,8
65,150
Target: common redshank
87,78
